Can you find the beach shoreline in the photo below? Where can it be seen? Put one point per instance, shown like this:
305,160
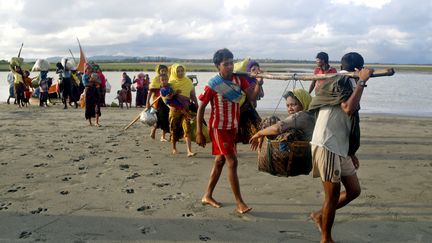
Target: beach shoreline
61,179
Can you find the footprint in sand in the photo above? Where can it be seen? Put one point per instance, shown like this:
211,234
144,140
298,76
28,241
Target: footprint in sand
129,190
204,238
187,215
64,192
147,230
67,179
124,166
178,196
4,206
82,167
133,176
155,173
161,184
39,210
29,176
16,189
40,165
24,235
143,208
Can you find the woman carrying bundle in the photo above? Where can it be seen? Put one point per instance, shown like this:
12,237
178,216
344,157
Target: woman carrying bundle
178,119
249,117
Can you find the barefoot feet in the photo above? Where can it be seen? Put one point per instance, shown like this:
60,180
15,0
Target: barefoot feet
242,208
317,218
190,154
210,201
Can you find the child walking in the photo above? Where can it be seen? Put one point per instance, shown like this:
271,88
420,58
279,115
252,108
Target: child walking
223,92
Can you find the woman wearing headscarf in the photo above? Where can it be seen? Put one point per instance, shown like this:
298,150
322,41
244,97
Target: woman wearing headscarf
162,109
179,118
297,103
141,88
92,96
249,117
126,83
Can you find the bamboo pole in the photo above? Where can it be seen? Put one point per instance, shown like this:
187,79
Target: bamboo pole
19,53
139,115
72,55
309,76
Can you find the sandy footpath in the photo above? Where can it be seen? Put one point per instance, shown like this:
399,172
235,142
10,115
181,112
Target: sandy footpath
61,180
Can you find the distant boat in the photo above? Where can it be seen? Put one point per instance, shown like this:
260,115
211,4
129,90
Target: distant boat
83,60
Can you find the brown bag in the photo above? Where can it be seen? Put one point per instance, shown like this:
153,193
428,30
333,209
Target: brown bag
285,157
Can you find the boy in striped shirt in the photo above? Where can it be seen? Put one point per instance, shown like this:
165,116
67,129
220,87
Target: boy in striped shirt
223,92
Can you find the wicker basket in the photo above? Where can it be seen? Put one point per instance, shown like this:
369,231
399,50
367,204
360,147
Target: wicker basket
285,158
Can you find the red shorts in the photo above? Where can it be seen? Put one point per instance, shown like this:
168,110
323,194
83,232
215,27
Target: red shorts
223,141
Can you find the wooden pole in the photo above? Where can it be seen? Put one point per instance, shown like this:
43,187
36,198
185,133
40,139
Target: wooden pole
139,115
309,76
72,55
19,53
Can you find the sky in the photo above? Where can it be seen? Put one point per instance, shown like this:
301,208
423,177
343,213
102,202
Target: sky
382,31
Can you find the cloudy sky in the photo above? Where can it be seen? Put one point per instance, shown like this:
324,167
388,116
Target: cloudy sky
387,31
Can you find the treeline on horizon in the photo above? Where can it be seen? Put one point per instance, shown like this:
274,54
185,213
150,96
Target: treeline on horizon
206,65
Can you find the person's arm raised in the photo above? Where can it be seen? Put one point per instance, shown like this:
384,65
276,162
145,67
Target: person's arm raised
351,105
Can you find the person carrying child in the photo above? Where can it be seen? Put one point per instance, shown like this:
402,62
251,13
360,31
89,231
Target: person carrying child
179,118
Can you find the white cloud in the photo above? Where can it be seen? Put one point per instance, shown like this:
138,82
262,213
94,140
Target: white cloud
382,30
368,3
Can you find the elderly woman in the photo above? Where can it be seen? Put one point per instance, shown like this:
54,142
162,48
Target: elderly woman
179,118
297,103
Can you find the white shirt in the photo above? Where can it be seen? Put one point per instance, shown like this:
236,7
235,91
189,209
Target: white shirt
10,78
332,130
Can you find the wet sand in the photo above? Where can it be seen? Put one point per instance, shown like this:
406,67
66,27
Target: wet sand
63,180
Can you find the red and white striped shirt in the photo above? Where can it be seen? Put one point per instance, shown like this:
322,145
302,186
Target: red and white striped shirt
224,113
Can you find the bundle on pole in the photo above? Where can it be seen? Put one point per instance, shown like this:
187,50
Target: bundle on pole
310,76
139,115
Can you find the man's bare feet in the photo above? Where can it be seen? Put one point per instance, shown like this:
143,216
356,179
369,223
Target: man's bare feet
316,218
98,125
162,139
242,208
210,201
190,154
153,133
174,151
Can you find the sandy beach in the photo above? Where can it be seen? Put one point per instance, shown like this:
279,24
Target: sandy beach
61,180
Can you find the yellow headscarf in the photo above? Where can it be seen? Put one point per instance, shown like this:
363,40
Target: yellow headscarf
155,83
183,84
241,66
304,97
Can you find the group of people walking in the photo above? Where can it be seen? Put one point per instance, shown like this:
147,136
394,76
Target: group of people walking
329,120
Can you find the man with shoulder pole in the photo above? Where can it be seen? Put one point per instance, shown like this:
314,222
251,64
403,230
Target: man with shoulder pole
336,138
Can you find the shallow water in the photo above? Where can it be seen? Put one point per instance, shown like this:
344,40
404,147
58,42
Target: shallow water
402,94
